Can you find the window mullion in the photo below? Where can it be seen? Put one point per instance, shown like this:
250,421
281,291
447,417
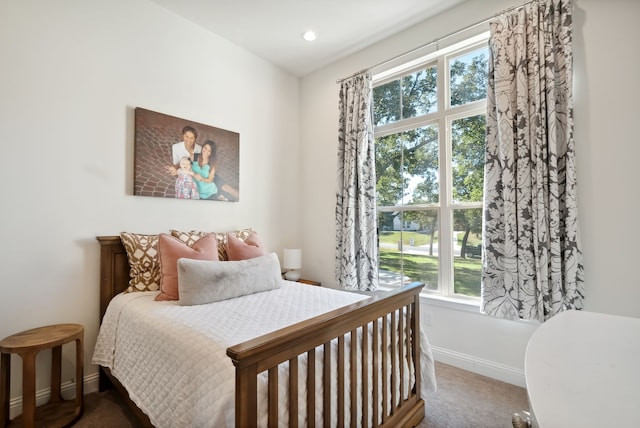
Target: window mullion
445,243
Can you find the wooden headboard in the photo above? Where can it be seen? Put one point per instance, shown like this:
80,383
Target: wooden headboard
114,270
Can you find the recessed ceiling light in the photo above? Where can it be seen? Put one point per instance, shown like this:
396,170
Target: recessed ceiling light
309,36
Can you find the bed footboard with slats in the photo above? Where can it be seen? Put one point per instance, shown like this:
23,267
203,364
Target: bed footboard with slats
375,367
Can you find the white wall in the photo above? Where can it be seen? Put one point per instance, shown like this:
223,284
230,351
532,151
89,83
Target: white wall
72,73
606,110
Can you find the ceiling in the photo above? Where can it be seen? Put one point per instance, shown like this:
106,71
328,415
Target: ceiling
272,29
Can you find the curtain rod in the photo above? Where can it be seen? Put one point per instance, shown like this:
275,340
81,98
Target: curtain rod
436,40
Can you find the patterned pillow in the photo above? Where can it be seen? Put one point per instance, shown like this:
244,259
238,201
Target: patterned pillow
144,263
193,236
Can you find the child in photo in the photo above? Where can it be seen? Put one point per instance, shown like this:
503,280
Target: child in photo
186,187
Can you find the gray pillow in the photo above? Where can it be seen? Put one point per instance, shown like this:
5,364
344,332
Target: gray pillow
203,281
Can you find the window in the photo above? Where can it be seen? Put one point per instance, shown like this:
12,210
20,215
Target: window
429,122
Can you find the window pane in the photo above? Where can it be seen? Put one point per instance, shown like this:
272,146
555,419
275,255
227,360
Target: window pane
408,244
390,255
419,93
467,264
468,74
386,103
389,182
467,162
420,165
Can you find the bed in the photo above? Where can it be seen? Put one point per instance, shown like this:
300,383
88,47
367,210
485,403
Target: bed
250,371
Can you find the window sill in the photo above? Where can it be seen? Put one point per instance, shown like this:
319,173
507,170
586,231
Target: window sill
451,303
464,305
467,305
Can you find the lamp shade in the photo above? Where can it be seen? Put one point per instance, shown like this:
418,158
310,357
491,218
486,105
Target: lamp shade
292,258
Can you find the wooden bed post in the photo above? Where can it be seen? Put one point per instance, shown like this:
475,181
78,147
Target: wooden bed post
415,343
246,396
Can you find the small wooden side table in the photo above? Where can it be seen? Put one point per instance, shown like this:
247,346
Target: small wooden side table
310,282
57,412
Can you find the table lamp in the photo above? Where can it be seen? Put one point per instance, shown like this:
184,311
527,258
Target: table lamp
292,261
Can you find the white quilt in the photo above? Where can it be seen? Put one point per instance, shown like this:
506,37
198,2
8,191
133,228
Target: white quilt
172,359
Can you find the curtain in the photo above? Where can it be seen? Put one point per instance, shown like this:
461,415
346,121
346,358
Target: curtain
356,222
532,262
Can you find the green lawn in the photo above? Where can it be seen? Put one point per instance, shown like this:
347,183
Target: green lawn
466,274
425,269
419,238
422,238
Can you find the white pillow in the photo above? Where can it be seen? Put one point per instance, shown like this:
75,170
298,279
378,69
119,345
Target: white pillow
204,281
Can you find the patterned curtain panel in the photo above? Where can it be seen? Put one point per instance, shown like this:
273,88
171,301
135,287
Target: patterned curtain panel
532,264
356,222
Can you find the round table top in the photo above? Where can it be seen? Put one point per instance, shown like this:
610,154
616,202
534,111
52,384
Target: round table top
41,338
582,370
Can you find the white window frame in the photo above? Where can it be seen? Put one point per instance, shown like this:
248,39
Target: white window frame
443,118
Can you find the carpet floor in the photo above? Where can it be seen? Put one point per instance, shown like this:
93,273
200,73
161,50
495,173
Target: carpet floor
463,400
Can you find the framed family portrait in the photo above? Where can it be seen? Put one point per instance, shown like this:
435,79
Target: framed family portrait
181,159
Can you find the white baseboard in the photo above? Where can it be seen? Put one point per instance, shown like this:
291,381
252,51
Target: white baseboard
480,366
91,383
68,391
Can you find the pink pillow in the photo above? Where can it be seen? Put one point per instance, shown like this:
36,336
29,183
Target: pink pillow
247,249
170,250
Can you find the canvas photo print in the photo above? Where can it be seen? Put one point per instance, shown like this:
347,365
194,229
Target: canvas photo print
181,159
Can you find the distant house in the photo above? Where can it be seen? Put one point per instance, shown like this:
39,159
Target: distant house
404,225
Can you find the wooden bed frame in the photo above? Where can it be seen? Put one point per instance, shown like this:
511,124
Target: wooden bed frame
401,307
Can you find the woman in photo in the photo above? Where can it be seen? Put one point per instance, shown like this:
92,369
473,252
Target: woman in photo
204,169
